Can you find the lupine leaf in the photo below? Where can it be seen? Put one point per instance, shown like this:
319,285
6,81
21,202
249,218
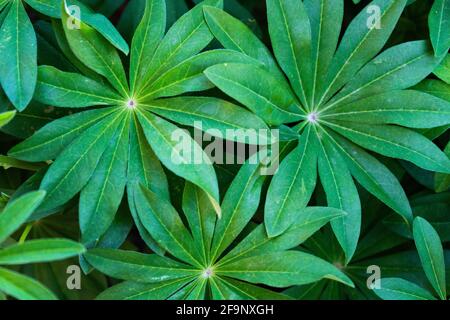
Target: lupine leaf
439,23
431,254
18,66
43,250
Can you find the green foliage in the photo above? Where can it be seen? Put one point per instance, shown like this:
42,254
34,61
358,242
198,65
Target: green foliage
99,99
348,100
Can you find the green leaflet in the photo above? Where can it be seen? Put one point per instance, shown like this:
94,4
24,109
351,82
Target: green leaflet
212,115
21,287
290,33
182,158
52,8
187,37
395,142
76,164
146,39
101,197
439,24
201,218
359,45
51,140
235,35
18,66
133,266
442,181
44,250
188,75
436,88
142,291
326,22
431,254
374,176
238,206
342,194
257,89
6,117
231,289
71,90
406,108
309,221
17,212
292,186
163,222
95,52
399,289
443,70
283,269
399,67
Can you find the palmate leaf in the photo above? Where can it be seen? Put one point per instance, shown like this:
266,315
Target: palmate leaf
128,139
216,253
349,93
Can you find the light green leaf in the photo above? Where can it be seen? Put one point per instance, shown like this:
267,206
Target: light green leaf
165,225
309,221
290,32
239,205
292,186
431,254
443,70
43,250
142,291
360,44
187,37
188,75
180,154
408,108
439,24
21,287
101,197
76,164
18,211
146,38
399,289
211,115
6,117
134,266
258,90
326,22
95,52
374,176
342,194
48,142
441,180
399,67
71,90
396,142
201,218
235,35
18,66
283,269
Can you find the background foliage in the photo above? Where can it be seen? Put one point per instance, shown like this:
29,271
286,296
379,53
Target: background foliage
364,179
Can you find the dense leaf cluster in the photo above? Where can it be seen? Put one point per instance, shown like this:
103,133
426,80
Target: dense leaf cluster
92,92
